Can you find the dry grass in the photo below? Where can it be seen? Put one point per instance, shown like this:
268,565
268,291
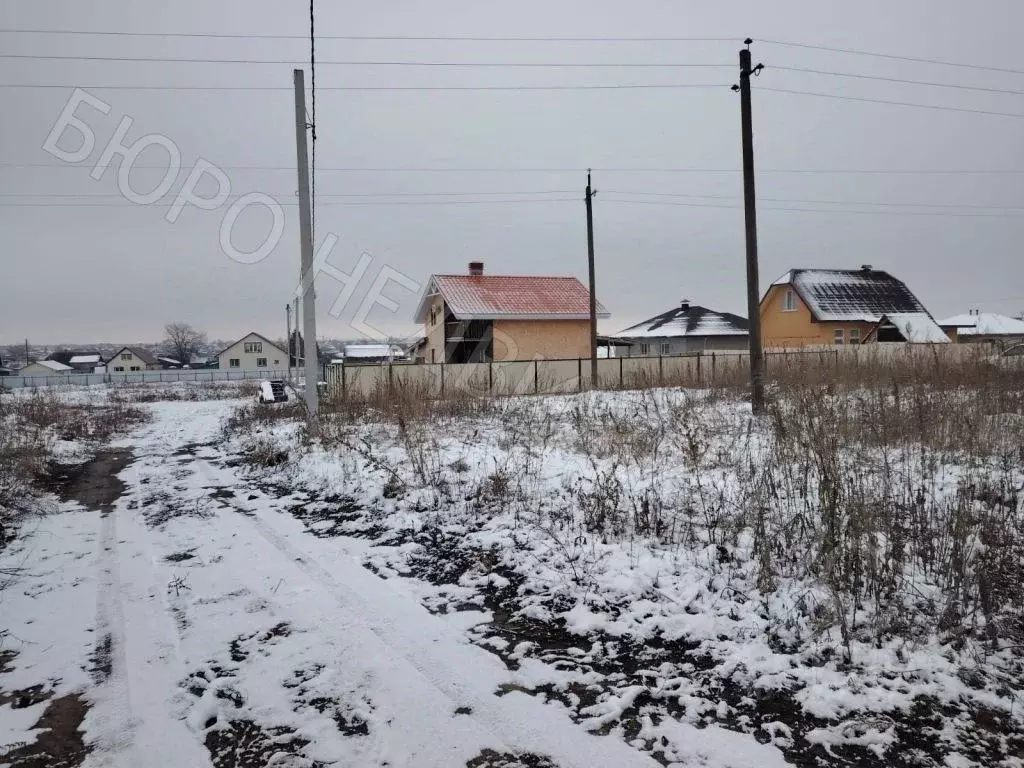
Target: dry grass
895,484
29,424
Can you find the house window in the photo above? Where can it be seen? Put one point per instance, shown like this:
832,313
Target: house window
645,349
126,355
839,336
789,301
277,363
253,347
666,348
261,362
855,335
135,368
119,369
234,362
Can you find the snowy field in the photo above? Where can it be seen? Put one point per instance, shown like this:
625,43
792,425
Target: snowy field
605,579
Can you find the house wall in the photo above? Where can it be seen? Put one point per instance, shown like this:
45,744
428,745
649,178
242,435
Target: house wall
681,345
119,365
797,328
277,359
545,339
35,369
434,350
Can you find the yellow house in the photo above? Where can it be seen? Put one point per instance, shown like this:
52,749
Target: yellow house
129,359
816,307
476,318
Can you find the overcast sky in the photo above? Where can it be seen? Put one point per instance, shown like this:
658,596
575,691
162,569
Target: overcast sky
93,266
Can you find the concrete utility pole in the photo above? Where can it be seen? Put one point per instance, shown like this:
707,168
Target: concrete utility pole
288,338
306,246
593,286
749,207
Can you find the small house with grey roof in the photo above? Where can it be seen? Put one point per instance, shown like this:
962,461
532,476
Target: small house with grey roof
685,328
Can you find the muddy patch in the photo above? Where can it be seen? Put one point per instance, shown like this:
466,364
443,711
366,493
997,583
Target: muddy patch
58,735
491,759
243,744
93,484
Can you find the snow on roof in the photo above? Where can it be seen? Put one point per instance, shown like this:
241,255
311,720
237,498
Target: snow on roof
371,350
985,324
53,365
687,320
488,297
853,294
83,359
917,327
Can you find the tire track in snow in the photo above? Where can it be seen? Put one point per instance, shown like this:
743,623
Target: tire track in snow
523,723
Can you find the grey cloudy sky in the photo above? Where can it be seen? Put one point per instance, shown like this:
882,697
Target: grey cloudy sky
92,266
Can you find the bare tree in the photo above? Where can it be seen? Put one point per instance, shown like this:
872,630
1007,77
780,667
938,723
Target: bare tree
183,341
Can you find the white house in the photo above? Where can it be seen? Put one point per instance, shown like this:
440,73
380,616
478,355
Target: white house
45,368
684,328
253,352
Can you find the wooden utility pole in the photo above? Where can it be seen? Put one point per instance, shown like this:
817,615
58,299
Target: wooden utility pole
593,286
750,212
306,246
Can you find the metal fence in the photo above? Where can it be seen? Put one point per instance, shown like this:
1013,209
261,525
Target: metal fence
139,377
697,369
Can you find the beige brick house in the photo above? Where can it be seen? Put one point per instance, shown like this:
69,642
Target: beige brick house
132,359
252,352
476,318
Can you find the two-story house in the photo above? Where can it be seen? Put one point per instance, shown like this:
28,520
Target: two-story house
476,318
132,359
815,307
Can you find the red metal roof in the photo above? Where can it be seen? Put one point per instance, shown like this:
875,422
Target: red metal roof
512,296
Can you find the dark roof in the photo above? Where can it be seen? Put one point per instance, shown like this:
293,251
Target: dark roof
852,294
143,354
688,320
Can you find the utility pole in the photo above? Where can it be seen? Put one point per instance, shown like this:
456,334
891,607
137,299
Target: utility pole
593,286
306,246
750,213
27,361
288,338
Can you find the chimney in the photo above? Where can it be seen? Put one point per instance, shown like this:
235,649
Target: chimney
476,267
684,305
865,267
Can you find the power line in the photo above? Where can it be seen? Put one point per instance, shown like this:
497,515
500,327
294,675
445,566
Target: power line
917,60
889,101
237,195
312,90
820,202
215,88
817,210
359,63
897,80
565,169
129,204
435,38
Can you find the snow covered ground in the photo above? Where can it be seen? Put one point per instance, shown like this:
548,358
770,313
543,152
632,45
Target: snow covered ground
395,599
204,624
